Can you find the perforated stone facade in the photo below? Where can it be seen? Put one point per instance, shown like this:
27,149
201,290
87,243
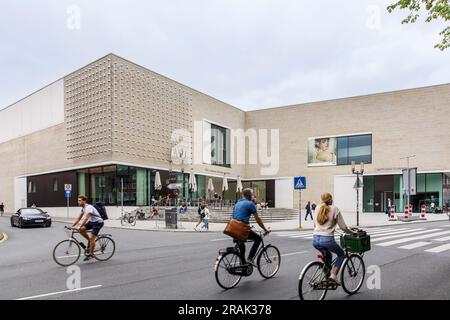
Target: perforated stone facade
88,110
147,108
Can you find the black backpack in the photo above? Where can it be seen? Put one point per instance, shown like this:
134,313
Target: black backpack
101,210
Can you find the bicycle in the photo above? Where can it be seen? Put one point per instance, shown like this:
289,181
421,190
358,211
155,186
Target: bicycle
140,214
128,218
313,280
230,268
67,252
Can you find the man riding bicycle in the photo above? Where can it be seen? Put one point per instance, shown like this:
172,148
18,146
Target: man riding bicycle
90,222
242,211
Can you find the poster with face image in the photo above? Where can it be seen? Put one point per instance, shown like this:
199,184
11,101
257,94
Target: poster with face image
322,152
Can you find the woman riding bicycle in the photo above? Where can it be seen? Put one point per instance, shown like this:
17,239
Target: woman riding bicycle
327,219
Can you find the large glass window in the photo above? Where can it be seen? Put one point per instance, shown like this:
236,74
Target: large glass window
354,148
220,146
446,192
141,187
369,193
128,175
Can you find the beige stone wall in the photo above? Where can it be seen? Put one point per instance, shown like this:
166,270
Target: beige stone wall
41,151
402,123
148,107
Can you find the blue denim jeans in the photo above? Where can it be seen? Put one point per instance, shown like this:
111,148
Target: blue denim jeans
326,245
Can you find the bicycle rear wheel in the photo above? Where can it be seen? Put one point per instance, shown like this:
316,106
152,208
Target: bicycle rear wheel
353,273
312,275
104,248
224,263
66,253
132,220
269,261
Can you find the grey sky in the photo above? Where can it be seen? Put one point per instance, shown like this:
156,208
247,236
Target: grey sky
251,54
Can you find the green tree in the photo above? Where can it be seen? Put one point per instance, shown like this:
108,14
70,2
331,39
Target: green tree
436,10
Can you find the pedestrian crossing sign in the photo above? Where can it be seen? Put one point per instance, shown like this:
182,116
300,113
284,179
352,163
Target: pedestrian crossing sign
300,183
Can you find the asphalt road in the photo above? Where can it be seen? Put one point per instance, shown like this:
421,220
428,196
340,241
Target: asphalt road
175,265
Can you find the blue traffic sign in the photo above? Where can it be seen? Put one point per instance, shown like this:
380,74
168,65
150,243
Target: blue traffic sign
68,193
300,183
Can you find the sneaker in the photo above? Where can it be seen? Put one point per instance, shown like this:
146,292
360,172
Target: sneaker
87,258
251,262
333,281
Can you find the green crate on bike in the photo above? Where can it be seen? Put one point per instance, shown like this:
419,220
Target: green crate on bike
355,244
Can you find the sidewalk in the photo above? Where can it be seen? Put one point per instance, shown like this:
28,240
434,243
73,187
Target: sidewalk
365,220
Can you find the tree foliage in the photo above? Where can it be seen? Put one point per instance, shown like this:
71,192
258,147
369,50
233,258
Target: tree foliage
436,10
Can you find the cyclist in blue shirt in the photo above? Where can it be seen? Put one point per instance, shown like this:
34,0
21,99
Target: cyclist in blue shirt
242,211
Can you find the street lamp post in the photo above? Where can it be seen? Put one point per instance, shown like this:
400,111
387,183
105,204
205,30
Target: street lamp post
183,185
406,193
357,186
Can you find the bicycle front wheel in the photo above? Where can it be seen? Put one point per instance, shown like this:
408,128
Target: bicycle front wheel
66,253
224,264
269,261
104,248
309,284
353,274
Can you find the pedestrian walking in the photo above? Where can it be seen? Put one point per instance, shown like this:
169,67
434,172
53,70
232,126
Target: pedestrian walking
308,211
206,217
201,213
2,209
387,210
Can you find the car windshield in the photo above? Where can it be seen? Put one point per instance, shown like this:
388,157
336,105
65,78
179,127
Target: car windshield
30,212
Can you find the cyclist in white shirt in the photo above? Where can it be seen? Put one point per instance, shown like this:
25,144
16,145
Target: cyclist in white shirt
90,222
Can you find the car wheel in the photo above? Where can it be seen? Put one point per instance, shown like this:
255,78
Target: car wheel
12,223
48,225
20,223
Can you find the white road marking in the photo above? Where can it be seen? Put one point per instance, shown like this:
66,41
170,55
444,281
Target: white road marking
442,239
426,236
415,245
394,232
293,253
59,292
405,235
387,230
71,256
221,239
442,248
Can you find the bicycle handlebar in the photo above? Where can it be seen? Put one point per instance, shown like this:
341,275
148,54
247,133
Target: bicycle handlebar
71,229
262,234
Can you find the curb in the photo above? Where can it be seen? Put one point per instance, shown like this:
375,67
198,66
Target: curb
274,230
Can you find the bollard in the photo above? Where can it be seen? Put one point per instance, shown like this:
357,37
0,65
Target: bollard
407,212
423,214
392,215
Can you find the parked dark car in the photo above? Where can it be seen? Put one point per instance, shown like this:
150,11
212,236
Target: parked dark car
27,217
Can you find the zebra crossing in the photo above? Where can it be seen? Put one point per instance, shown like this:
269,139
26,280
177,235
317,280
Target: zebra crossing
413,237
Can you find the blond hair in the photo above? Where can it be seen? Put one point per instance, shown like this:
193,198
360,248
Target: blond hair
322,216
